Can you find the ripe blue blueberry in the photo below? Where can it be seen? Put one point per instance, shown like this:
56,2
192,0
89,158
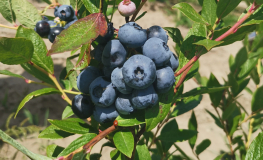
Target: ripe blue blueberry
107,72
64,12
173,62
82,106
139,72
158,32
114,54
97,52
123,104
86,77
143,98
118,82
132,35
105,39
164,80
42,28
54,32
157,50
102,92
103,115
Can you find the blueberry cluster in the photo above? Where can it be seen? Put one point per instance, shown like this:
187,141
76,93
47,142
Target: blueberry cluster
136,68
64,17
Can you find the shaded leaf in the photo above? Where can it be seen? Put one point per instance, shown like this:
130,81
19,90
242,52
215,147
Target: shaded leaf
41,92
26,13
224,7
65,81
175,34
71,73
40,50
192,125
53,150
53,132
186,105
217,121
216,96
247,67
142,153
15,50
202,146
71,125
117,155
77,143
81,32
257,100
133,119
124,142
84,57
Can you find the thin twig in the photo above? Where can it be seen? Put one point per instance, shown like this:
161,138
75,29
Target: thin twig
138,10
1,25
250,132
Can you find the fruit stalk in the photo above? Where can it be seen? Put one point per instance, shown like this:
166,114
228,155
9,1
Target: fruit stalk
101,6
4,26
138,10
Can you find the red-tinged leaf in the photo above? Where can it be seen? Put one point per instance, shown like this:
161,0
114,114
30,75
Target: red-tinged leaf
84,57
83,31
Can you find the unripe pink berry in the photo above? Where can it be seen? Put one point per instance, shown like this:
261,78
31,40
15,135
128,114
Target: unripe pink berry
126,8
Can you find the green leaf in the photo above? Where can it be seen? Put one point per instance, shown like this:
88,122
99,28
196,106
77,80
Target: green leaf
117,155
228,111
142,153
257,100
234,123
64,2
37,93
65,81
192,72
67,112
95,156
201,80
15,50
140,16
175,34
76,144
208,44
255,18
240,59
36,73
84,57
53,132
192,125
216,96
255,149
124,142
186,105
7,11
196,33
224,7
53,150
71,73
40,50
209,11
71,125
202,146
26,13
81,32
157,113
247,67
8,73
233,83
202,90
133,119
171,129
92,5
189,11
217,121
254,75
21,148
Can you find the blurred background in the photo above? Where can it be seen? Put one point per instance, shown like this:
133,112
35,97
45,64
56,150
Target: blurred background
33,117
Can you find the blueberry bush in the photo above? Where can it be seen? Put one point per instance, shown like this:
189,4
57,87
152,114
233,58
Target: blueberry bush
129,80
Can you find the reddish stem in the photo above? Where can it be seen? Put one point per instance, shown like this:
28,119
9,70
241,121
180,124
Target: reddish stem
181,80
193,60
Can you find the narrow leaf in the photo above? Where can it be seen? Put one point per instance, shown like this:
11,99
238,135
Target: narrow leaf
26,13
189,11
140,16
72,125
20,147
15,50
53,132
37,93
92,5
224,7
202,146
67,112
117,155
209,11
192,125
53,150
81,32
84,57
216,96
208,44
124,142
76,144
257,100
8,73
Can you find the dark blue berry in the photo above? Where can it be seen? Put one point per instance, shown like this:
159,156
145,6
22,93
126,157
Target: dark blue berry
54,32
123,104
173,62
82,106
65,12
42,28
164,80
97,52
103,115
118,82
158,32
